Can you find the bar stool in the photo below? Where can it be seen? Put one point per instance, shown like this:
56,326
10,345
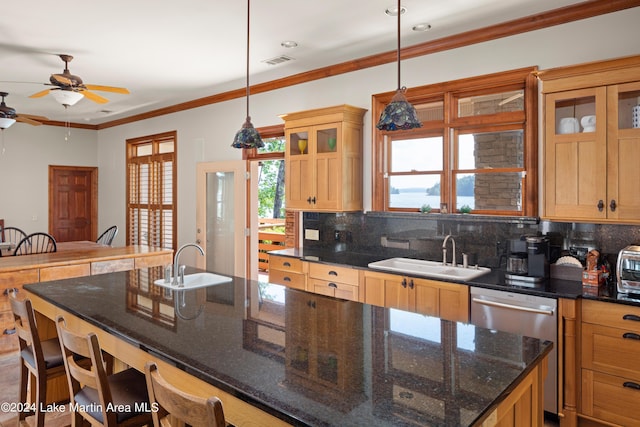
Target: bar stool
174,403
120,399
40,359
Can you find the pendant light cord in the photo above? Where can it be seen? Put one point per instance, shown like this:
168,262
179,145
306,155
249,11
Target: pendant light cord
248,24
398,50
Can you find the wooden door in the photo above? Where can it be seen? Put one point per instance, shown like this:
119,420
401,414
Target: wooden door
73,203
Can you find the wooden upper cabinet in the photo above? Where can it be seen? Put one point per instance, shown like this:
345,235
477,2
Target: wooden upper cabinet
323,159
592,144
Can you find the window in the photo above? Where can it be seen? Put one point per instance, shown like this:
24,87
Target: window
151,191
477,148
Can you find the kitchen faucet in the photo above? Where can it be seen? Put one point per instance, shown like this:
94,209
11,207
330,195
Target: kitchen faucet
453,250
178,271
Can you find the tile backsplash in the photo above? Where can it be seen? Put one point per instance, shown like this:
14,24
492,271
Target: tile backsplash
482,237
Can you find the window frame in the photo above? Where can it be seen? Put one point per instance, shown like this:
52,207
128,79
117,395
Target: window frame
450,92
155,156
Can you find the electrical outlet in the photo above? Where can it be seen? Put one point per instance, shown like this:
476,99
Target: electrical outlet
311,234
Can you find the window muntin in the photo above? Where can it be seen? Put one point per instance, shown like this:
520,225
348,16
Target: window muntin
480,114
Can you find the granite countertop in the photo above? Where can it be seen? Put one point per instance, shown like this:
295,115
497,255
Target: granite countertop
551,288
308,359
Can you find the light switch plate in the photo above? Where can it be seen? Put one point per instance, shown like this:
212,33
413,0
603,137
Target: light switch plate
311,234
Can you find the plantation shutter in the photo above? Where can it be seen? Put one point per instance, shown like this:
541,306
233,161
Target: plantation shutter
151,191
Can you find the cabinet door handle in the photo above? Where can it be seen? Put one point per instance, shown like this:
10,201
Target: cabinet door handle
631,336
613,205
309,199
286,278
600,205
404,282
311,304
631,317
631,384
333,285
333,273
286,264
411,284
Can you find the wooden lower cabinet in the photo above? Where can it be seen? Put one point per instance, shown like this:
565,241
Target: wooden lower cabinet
449,301
286,271
610,373
334,281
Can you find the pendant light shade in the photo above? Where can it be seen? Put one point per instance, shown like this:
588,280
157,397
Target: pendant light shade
399,113
247,136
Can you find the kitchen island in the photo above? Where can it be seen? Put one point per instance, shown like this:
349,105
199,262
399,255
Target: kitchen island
74,259
278,356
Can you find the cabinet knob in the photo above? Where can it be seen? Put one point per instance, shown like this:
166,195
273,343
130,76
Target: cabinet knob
613,205
411,284
333,285
404,282
631,317
286,278
286,264
333,273
600,205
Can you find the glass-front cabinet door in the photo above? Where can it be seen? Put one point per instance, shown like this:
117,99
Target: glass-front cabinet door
576,154
623,194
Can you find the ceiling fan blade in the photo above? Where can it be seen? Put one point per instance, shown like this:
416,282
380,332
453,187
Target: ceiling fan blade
34,117
94,97
59,78
27,120
40,94
122,90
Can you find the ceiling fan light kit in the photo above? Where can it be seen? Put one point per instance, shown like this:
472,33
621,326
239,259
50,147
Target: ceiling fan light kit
247,136
6,122
66,97
399,113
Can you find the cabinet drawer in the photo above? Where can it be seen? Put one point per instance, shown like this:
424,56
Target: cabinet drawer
64,272
334,289
285,263
101,267
332,273
610,398
288,278
610,314
611,350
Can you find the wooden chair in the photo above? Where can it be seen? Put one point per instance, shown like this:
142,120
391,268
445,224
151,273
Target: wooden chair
40,359
36,243
108,235
174,403
92,389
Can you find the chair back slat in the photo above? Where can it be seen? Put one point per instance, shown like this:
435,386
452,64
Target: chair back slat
26,328
106,238
36,243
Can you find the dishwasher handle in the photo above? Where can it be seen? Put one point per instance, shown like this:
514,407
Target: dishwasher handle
548,312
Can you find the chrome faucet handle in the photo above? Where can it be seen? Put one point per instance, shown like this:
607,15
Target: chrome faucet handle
181,275
168,273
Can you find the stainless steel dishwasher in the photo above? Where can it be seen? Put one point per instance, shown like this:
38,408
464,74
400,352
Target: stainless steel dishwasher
522,314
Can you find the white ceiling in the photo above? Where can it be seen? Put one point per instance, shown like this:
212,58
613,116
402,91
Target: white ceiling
166,52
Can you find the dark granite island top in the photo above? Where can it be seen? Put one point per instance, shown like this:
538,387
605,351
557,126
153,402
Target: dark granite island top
304,358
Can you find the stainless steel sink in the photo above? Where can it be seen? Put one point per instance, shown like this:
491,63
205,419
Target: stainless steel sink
196,280
432,269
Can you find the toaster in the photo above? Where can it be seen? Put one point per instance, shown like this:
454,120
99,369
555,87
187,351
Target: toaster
628,270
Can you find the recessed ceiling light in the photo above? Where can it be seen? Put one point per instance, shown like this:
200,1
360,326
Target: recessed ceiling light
289,44
422,27
393,10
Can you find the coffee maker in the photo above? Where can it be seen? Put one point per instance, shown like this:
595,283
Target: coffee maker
528,260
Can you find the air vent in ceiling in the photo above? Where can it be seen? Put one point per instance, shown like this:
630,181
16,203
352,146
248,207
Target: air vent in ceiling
278,60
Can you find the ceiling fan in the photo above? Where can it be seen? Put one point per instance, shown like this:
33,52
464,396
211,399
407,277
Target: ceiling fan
8,115
69,89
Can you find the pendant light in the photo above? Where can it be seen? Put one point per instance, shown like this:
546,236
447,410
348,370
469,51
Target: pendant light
399,113
247,136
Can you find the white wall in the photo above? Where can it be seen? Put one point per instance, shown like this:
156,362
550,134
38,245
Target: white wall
205,134
24,169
